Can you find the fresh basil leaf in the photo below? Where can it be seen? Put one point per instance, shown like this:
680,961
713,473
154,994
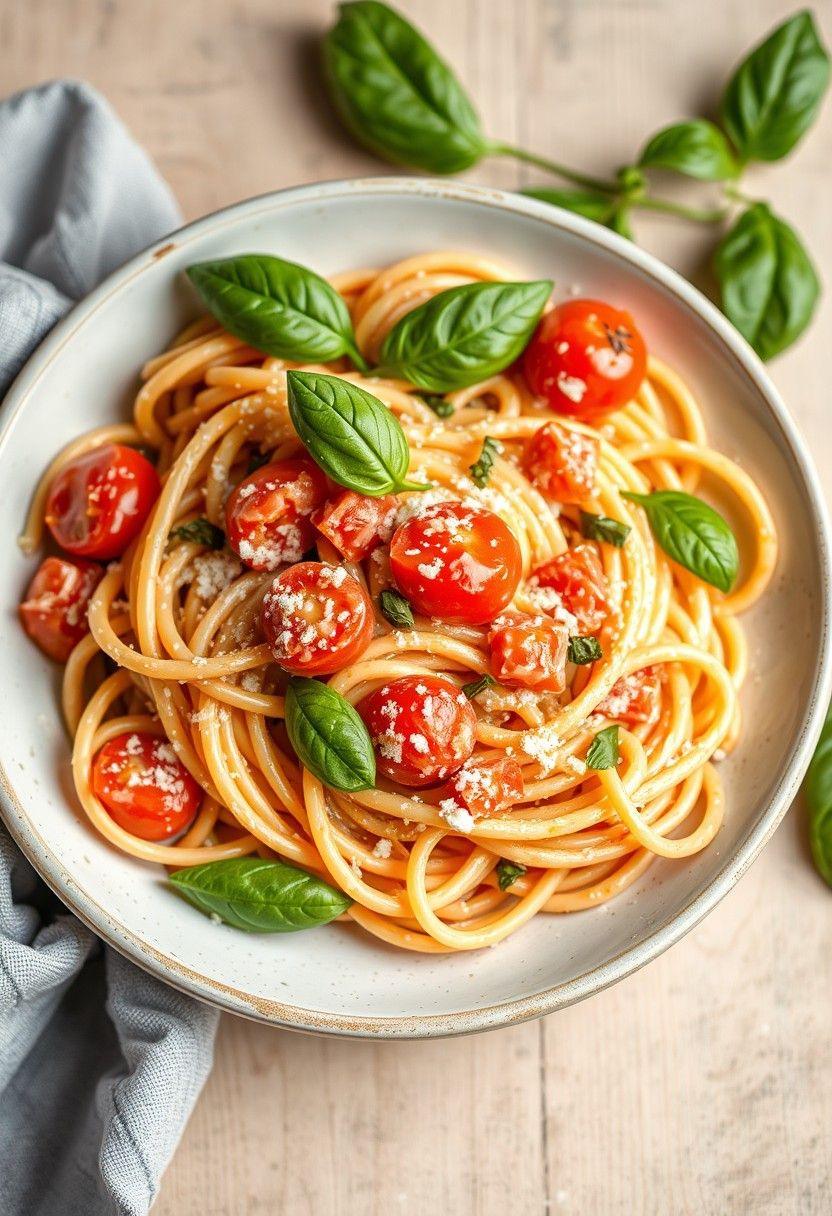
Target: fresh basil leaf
480,470
201,531
603,750
440,407
696,148
584,650
278,307
588,203
328,736
693,534
396,95
768,284
352,435
818,791
463,335
396,609
508,872
774,94
601,527
260,896
474,687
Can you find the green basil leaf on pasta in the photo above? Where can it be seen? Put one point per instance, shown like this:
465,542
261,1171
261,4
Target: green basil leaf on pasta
474,687
480,470
199,531
584,650
601,527
278,307
328,736
818,792
463,335
396,609
693,534
697,148
440,407
260,896
603,750
508,872
396,95
768,285
774,95
352,435
588,203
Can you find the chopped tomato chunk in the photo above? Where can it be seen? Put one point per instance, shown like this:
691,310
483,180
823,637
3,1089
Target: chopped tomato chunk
316,618
355,523
578,578
529,651
634,698
268,515
487,787
422,728
54,610
144,786
562,463
98,502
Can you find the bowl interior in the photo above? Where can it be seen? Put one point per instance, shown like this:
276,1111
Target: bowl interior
336,978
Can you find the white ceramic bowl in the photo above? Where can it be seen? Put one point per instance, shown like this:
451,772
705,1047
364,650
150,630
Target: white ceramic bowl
336,979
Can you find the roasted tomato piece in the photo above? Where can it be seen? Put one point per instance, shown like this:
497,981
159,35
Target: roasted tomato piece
422,727
355,523
586,358
562,463
634,698
529,652
98,502
54,609
268,516
457,563
144,786
486,787
316,618
578,577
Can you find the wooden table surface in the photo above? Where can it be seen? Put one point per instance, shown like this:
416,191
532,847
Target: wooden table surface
701,1084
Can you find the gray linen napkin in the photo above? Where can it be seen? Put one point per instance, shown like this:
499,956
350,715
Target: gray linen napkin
100,1064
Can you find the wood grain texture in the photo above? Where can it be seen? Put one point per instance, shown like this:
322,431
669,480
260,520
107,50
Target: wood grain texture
702,1084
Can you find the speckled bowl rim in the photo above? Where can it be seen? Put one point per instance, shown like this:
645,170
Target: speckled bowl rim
288,1016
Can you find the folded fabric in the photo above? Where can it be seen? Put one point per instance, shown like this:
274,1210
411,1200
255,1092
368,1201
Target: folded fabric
100,1063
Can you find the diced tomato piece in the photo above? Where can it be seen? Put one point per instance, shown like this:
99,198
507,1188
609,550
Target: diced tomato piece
634,698
268,515
487,787
316,618
355,523
98,502
578,577
144,786
530,652
54,609
562,463
422,727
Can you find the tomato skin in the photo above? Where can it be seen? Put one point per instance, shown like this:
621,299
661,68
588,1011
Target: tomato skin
562,463
585,359
99,502
355,523
529,652
422,727
144,787
316,618
578,577
487,787
268,515
634,699
458,563
54,608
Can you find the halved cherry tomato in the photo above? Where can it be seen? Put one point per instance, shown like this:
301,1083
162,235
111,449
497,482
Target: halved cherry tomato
422,727
355,523
144,786
268,515
316,618
529,651
562,463
487,787
98,502
54,609
634,698
586,358
578,577
457,563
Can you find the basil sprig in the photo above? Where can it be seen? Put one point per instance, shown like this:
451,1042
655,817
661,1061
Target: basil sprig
396,609
278,307
201,531
328,736
508,872
260,896
693,534
474,687
697,148
584,650
352,435
818,791
603,750
601,527
480,470
463,335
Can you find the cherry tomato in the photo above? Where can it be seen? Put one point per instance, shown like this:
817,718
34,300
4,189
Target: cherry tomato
487,787
586,359
422,727
458,563
529,651
355,523
562,463
578,577
316,618
98,502
268,515
54,609
144,786
634,698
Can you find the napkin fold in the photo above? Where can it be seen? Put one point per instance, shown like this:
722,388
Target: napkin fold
100,1063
